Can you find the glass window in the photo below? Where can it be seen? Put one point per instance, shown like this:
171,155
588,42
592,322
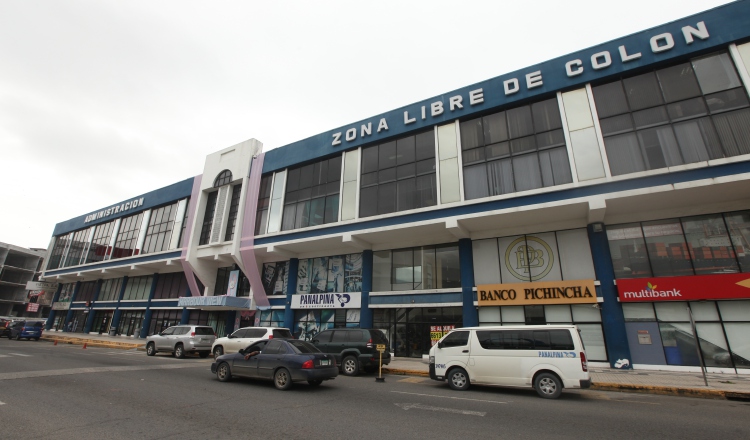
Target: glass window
716,73
586,313
127,236
234,206
638,312
513,315
110,290
100,245
208,218
558,313
672,311
312,195
710,246
738,344
734,310
159,229
666,247
264,201
223,178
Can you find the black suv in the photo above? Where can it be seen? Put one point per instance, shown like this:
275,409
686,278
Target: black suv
354,348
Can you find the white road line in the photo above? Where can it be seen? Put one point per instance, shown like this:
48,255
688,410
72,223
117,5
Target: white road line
20,354
2,403
448,397
4,356
408,406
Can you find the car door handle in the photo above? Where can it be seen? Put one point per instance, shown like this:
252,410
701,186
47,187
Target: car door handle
465,351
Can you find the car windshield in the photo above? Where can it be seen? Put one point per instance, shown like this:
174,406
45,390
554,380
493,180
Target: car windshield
303,347
282,334
204,331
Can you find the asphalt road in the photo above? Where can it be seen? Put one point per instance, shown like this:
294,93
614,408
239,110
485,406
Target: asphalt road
66,392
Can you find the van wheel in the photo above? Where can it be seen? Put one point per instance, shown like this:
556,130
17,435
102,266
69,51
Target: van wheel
350,366
179,351
548,386
150,349
458,379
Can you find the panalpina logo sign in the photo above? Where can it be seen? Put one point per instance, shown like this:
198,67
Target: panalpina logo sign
691,288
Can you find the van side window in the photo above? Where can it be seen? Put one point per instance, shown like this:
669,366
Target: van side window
525,340
456,339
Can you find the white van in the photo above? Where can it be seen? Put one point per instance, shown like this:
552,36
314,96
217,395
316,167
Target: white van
547,357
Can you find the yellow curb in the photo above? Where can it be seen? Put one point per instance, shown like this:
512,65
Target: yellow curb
405,372
662,390
90,342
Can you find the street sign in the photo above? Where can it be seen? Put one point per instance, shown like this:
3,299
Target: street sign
380,347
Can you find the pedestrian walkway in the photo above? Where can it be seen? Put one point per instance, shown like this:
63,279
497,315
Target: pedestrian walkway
720,386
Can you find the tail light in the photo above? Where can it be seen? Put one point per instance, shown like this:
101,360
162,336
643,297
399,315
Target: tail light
369,343
308,364
192,335
584,363
270,336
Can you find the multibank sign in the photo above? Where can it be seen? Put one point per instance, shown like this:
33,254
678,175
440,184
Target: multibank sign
699,287
710,30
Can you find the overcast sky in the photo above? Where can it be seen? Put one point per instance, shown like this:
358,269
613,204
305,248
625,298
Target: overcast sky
104,100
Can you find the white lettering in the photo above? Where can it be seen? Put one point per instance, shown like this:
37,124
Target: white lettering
511,86
656,47
436,108
689,32
534,79
569,68
455,102
351,134
601,60
382,125
408,120
127,206
424,113
476,97
625,57
140,201
366,129
336,139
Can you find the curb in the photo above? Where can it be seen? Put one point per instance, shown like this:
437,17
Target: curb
400,372
91,342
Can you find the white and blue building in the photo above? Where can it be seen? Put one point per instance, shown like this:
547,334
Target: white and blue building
544,195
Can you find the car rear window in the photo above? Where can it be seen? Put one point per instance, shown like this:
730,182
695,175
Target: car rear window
303,347
34,324
204,331
378,337
282,334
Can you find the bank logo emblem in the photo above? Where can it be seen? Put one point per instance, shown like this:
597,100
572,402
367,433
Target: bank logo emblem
529,258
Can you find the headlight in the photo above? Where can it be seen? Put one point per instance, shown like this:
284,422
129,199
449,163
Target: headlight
432,359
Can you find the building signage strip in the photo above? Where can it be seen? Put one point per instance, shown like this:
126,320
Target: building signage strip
724,286
547,292
351,300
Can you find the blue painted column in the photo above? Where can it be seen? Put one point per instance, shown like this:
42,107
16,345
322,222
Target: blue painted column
52,313
90,318
466,260
69,316
116,316
229,318
613,321
147,314
291,289
185,318
365,314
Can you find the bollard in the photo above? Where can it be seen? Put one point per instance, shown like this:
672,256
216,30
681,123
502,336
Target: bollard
84,345
55,341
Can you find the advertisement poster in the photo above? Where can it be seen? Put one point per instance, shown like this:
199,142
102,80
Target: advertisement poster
438,331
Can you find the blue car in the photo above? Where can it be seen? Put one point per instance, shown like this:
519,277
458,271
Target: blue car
283,361
26,329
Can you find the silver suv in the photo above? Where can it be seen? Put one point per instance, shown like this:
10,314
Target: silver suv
245,336
182,339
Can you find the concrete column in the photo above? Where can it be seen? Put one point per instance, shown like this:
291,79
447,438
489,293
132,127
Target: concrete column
291,290
116,316
185,316
466,260
69,316
90,318
365,314
613,321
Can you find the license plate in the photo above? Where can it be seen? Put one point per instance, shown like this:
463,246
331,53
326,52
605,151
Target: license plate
324,362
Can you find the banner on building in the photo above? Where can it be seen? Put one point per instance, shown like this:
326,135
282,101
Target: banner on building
350,300
693,288
541,293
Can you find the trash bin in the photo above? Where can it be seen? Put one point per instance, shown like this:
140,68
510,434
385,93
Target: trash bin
113,331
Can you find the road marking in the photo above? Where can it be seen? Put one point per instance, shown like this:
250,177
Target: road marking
590,395
46,373
2,403
413,380
449,397
408,406
20,354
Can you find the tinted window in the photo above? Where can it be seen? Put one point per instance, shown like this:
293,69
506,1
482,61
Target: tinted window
275,347
355,336
339,336
525,340
255,333
456,339
258,346
378,337
204,331
303,347
239,333
282,334
324,336
169,331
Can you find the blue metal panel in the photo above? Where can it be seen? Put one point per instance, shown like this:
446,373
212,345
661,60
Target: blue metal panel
161,196
422,298
554,196
725,24
613,321
365,314
291,283
466,259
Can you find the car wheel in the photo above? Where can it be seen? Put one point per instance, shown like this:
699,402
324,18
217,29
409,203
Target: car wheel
204,354
179,351
36,339
18,337
150,349
223,372
350,366
548,386
282,379
315,383
458,379
218,351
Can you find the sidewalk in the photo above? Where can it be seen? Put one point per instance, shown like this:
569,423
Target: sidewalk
720,386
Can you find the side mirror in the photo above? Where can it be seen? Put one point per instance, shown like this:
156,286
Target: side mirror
242,351
440,344
230,336
314,341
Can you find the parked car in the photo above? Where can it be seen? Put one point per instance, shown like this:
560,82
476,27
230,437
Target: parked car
354,348
282,360
182,339
245,336
26,329
5,323
545,357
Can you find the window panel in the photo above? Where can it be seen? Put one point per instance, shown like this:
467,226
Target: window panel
716,73
678,82
642,91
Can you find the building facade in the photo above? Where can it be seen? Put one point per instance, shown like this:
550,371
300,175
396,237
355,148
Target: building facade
19,266
606,188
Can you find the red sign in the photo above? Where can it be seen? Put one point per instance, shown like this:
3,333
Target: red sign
32,307
725,286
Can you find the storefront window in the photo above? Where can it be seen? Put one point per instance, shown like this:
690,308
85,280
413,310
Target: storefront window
275,277
739,230
638,312
271,318
338,273
427,267
308,323
710,245
138,288
110,290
